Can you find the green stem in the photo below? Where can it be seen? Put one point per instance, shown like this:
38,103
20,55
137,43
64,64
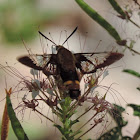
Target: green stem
132,50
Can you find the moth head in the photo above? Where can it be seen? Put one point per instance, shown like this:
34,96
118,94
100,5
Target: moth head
59,47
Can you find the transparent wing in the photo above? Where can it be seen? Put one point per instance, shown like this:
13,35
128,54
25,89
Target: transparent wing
46,63
90,62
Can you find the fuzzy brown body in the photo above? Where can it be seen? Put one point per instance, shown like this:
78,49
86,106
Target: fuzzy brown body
65,59
66,63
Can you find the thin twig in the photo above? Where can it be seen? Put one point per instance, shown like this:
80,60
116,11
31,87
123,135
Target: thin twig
44,116
100,120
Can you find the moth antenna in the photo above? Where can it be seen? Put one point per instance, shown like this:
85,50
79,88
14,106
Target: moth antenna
70,35
47,38
51,36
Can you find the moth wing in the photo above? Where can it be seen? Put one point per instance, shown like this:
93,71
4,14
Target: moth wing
26,60
90,62
46,63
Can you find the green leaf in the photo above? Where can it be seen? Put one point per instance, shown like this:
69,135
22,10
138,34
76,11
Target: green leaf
73,122
60,128
132,72
60,110
99,19
136,109
17,128
116,6
113,134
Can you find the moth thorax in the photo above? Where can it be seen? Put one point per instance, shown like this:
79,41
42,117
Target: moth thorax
59,47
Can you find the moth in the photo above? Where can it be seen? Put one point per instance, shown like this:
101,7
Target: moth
67,64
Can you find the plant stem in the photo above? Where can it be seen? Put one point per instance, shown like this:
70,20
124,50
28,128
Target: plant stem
85,112
44,116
